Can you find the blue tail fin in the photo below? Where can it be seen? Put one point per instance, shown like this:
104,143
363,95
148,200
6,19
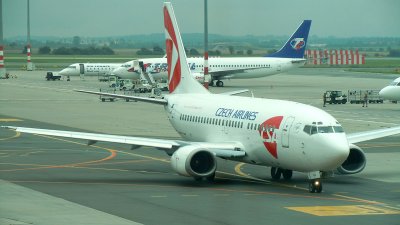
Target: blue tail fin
296,45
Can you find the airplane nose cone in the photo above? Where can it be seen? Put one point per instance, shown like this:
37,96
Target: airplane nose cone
63,72
337,152
383,92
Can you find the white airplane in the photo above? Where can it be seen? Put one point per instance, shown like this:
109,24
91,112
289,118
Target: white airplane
288,57
89,69
283,135
392,91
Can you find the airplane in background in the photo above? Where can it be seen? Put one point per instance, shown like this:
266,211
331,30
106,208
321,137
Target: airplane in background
284,135
392,91
290,56
89,69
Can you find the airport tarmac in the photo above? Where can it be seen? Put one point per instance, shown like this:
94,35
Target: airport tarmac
45,180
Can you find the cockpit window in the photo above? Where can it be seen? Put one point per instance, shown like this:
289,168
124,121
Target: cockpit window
71,67
325,129
394,83
338,129
313,129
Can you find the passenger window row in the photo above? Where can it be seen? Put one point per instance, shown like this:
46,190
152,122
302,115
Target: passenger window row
218,122
258,65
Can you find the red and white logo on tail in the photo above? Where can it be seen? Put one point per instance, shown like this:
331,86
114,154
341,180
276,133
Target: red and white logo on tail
179,76
173,59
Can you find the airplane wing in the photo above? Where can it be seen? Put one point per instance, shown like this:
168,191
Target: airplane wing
224,150
220,74
373,134
234,92
137,98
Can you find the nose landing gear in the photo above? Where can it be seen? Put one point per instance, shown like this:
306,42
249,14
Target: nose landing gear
315,186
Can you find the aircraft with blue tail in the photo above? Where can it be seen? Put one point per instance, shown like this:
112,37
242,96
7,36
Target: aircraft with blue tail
290,56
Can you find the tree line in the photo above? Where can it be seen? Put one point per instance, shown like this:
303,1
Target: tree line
91,50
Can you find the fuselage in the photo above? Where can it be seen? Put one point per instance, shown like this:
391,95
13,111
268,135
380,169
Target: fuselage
275,133
219,68
391,92
89,69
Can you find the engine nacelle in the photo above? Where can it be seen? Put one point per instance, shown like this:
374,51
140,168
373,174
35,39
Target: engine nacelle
199,77
355,162
194,161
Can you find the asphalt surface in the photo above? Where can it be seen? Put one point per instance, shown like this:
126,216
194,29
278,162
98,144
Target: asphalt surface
47,180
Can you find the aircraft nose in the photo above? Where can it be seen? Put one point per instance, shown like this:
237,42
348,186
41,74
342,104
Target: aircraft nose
383,93
63,72
338,150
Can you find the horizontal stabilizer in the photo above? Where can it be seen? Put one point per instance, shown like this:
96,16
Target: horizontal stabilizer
136,98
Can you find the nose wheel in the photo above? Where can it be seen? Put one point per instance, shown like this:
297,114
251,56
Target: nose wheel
315,186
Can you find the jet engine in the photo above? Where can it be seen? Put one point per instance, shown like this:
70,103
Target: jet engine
194,161
355,162
199,77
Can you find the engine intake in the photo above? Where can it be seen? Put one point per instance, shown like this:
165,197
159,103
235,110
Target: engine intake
355,162
194,161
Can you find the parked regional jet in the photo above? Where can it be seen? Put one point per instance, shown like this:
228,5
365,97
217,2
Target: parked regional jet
288,57
392,91
283,135
89,69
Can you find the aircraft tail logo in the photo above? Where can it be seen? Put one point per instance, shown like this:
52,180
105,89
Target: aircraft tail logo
296,44
179,76
173,59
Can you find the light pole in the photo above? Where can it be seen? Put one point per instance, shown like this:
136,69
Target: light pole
207,77
2,68
29,65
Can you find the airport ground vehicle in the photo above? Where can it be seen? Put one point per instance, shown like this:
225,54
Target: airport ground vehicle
104,98
121,84
162,84
53,76
335,97
143,86
357,96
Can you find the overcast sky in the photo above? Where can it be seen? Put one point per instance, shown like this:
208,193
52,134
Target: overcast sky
90,18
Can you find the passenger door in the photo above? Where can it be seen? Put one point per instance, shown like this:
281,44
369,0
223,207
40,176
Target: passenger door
286,131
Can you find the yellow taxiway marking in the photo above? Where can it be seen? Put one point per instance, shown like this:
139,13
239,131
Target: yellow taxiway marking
346,210
9,120
17,134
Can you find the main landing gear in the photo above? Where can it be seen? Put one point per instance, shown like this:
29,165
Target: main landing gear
276,173
218,83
